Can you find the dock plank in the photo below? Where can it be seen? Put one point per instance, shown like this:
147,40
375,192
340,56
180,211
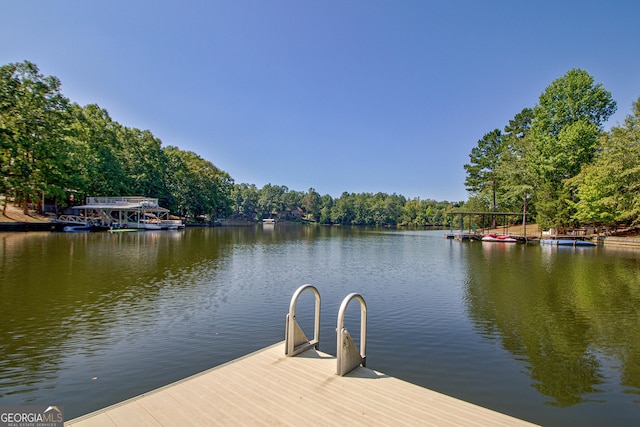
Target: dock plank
267,388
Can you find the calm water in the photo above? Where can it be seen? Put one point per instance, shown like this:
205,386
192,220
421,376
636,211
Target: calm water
550,335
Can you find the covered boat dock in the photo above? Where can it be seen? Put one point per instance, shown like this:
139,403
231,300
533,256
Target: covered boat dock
476,233
121,212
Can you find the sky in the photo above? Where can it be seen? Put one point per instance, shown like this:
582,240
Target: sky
337,95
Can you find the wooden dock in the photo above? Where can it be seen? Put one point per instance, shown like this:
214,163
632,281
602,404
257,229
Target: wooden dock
267,388
467,236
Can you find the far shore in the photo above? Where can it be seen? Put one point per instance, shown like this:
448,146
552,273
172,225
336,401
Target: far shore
15,216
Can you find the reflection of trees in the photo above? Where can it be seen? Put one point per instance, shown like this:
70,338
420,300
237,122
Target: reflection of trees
559,318
57,289
78,292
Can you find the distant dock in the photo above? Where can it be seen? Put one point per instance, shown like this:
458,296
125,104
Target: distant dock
466,236
471,236
268,388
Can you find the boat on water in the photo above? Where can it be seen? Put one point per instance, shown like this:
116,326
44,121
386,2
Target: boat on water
151,222
269,221
567,242
500,238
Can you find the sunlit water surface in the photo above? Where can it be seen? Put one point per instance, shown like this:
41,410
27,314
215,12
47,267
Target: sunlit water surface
550,335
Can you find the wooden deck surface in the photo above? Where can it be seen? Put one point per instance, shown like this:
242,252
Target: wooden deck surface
267,388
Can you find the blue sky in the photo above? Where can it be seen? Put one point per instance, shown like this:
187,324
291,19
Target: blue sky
353,95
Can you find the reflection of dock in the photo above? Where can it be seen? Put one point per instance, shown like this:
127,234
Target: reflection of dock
268,388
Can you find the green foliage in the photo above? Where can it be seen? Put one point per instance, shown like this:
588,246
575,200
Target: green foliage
417,212
517,168
571,98
482,176
97,152
543,152
33,151
245,198
369,209
196,187
554,160
312,205
50,148
565,129
271,200
608,190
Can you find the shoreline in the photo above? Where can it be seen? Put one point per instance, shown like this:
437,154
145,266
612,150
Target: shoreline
17,221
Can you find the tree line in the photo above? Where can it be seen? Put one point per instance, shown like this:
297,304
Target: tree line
557,163
378,209
54,152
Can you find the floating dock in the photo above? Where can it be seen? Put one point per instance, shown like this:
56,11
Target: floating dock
567,242
467,236
268,388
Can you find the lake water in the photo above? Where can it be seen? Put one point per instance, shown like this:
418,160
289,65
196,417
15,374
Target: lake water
546,334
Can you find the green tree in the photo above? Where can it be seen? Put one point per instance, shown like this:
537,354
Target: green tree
482,177
143,162
343,209
609,189
292,201
566,124
327,204
312,204
271,200
516,167
97,153
33,119
245,198
196,186
410,212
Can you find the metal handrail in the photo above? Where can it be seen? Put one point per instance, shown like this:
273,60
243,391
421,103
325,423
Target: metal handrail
295,340
348,356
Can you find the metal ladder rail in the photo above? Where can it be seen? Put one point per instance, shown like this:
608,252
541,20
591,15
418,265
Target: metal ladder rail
348,356
295,340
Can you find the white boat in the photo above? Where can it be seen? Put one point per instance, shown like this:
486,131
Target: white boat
172,224
500,238
151,221
269,221
152,226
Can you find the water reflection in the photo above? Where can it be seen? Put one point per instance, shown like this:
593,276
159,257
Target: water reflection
567,320
59,291
79,306
92,319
